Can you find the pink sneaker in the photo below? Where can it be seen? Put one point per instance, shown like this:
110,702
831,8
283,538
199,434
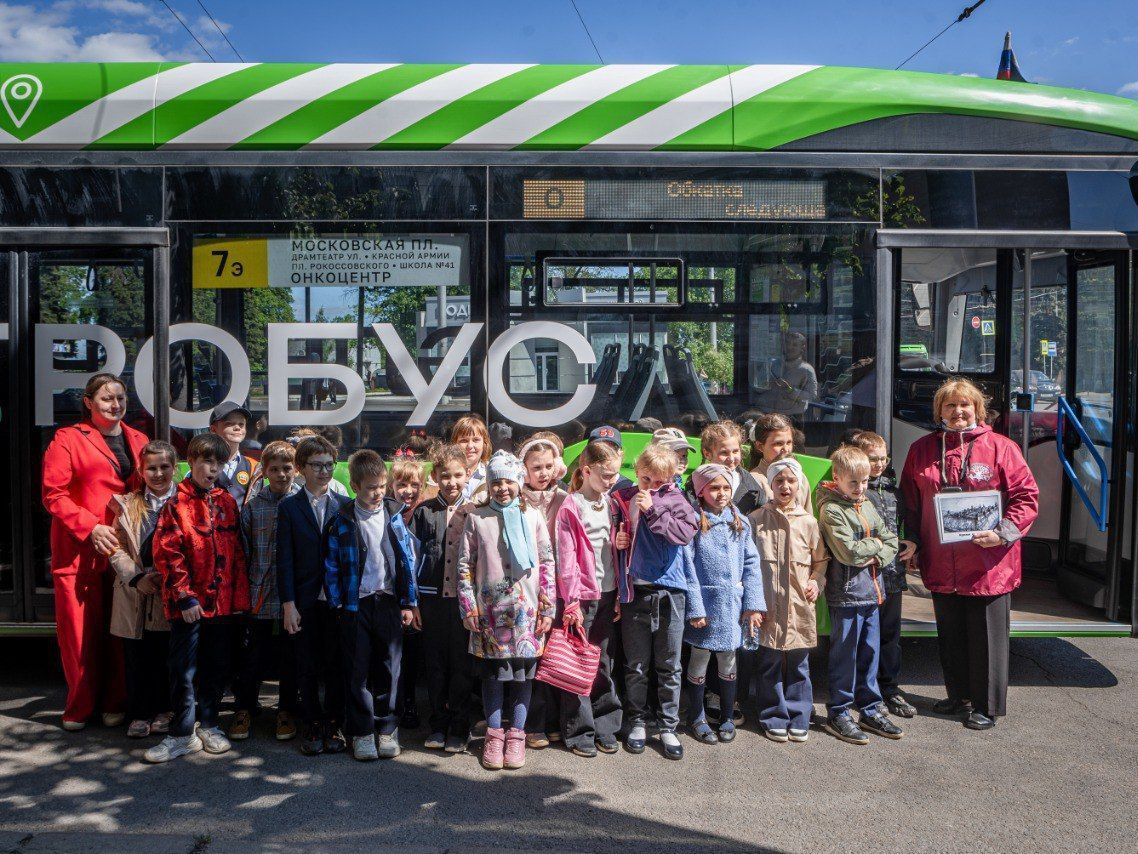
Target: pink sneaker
515,748
492,749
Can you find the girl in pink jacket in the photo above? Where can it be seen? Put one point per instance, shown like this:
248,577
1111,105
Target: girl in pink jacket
586,586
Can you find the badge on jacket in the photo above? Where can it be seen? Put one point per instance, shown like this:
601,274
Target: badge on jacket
243,477
980,472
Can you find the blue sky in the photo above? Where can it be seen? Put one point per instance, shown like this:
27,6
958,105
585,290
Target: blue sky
1091,44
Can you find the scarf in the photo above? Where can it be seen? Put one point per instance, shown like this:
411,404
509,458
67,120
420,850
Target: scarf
518,537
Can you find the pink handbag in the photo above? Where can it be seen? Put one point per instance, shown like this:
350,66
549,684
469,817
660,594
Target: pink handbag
569,662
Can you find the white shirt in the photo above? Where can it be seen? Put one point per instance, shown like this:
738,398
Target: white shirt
373,529
598,528
230,467
735,478
154,505
319,506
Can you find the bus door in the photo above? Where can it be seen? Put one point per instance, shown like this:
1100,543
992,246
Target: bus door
1044,332
74,302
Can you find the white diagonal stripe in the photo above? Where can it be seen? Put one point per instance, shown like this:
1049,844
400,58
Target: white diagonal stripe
112,111
748,82
547,109
693,108
403,109
258,111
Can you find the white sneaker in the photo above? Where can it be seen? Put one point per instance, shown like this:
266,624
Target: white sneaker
113,719
389,745
74,726
798,735
214,740
173,746
363,748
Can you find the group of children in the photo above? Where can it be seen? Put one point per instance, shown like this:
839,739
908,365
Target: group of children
475,558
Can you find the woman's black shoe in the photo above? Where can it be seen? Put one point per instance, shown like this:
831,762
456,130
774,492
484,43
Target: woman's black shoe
980,721
952,707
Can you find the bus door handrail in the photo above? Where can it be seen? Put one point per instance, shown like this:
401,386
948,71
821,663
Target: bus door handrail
1066,412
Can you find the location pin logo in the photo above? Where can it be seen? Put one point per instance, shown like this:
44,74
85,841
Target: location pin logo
20,94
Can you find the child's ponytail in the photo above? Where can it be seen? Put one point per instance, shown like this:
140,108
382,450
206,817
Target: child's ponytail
736,523
704,524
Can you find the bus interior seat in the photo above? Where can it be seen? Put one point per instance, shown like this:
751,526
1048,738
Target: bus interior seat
620,394
688,392
603,378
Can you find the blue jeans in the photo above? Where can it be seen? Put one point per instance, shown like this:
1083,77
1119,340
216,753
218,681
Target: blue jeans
786,696
200,649
855,648
889,669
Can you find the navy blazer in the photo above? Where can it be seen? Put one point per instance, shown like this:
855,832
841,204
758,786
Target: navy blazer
301,547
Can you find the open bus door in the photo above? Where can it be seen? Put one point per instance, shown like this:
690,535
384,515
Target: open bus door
1045,333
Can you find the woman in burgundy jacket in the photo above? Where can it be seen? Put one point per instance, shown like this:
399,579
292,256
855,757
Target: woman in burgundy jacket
971,581
83,467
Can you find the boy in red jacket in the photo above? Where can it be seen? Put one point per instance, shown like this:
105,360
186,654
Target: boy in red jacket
197,551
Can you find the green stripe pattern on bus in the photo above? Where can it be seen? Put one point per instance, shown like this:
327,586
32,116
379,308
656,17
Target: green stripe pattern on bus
519,106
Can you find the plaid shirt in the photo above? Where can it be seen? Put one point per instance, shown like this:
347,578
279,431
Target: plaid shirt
343,568
259,532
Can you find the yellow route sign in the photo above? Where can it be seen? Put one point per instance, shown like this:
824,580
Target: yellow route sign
231,262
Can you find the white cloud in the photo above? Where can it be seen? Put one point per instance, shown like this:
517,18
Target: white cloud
1130,90
56,33
1069,42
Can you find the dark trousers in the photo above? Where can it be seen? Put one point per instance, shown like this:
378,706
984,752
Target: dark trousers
410,669
199,652
598,715
786,696
889,667
448,667
652,629
855,644
257,646
317,658
372,643
972,633
147,675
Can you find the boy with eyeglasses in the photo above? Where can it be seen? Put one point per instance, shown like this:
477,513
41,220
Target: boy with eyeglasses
303,519
885,495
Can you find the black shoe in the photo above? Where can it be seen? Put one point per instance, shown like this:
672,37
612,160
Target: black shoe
843,728
607,744
587,751
702,731
899,706
673,751
410,719
334,741
634,745
881,725
312,742
952,708
980,721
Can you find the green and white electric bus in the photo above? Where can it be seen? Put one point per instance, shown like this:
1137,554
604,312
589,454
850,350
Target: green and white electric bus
383,247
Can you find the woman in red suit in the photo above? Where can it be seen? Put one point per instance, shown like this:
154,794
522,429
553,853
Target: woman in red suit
82,468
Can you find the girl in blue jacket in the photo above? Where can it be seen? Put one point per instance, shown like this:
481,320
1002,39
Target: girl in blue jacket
726,592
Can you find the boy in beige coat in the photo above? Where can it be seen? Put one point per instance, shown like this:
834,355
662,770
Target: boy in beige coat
136,609
794,561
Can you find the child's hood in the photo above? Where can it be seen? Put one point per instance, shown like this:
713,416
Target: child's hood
829,493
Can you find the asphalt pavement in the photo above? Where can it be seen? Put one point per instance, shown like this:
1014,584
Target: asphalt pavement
1057,774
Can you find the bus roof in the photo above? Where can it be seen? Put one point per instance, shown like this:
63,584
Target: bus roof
293,106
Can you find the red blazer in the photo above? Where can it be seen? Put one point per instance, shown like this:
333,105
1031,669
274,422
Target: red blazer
995,462
198,551
80,474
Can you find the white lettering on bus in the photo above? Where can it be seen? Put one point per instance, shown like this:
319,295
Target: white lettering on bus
427,393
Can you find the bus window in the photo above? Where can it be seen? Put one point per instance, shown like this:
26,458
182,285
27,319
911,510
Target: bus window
947,300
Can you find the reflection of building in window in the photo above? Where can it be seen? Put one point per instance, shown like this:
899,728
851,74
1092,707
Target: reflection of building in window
545,365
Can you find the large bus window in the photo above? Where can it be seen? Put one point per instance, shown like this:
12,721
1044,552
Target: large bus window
947,320
6,496
770,322
409,318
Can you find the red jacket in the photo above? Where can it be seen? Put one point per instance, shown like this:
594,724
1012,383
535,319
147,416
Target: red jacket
994,462
197,549
80,474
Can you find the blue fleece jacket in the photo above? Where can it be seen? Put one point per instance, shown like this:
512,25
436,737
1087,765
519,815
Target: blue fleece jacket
725,580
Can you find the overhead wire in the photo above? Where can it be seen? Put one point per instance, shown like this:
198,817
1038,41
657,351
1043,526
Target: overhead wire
217,26
967,13
178,18
581,18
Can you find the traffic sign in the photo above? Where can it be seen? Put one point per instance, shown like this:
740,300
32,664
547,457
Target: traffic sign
975,322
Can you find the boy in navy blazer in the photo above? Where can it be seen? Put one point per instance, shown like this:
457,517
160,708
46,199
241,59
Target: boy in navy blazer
302,520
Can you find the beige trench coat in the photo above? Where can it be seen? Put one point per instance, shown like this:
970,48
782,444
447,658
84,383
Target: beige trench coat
792,553
131,612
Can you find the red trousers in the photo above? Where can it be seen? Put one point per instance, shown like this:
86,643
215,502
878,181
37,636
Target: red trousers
92,658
